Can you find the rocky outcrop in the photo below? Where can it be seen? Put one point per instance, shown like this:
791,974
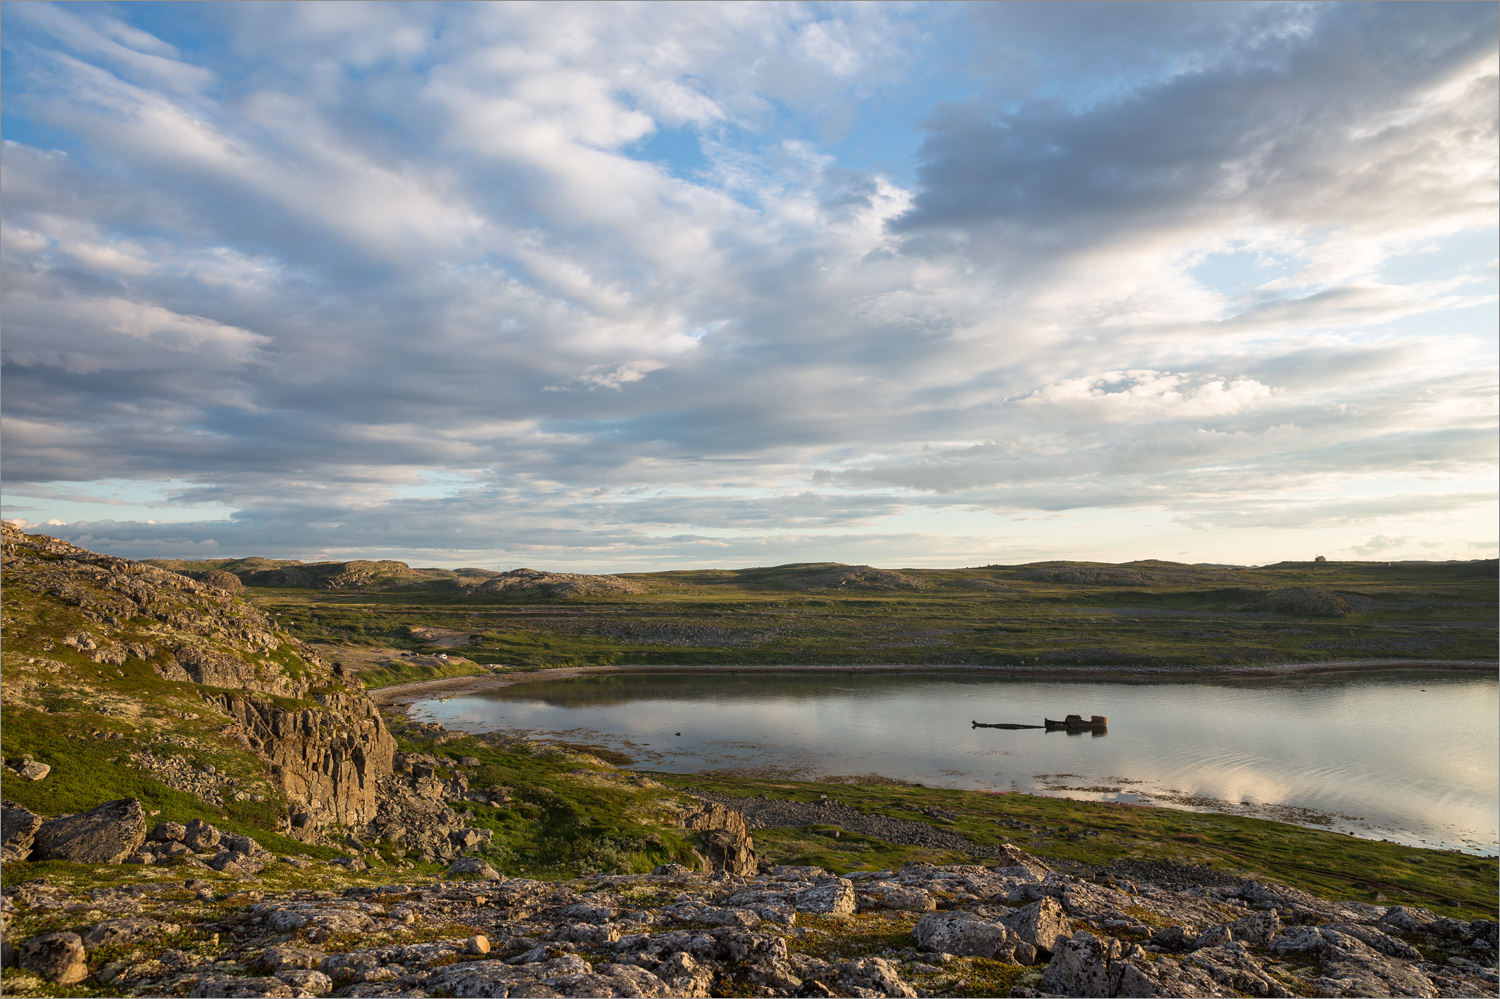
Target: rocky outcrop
1306,601
724,838
106,834
18,828
531,583
329,759
332,758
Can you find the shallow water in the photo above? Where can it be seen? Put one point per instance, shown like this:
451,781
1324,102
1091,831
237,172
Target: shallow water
1410,757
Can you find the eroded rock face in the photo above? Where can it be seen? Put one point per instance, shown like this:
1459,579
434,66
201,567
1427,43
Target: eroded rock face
18,828
329,760
106,834
726,838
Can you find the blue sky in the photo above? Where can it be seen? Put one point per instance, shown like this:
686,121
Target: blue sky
631,286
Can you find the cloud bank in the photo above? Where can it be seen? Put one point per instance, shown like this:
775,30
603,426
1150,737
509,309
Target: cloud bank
613,287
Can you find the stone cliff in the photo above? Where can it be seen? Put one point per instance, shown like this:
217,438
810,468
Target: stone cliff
328,759
68,611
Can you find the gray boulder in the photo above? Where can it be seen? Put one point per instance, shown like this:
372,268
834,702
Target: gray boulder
876,974
199,836
167,832
103,835
834,897
18,828
57,957
1043,924
963,934
118,932
472,867
1083,965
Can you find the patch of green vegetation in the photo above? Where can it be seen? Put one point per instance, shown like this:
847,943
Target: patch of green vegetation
394,671
851,851
1140,614
842,938
558,820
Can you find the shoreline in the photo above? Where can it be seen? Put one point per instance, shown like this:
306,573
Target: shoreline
403,695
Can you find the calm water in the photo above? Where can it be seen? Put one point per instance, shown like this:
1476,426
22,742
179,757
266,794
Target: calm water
1413,758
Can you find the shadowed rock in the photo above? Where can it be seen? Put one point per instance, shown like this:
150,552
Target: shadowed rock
57,957
103,835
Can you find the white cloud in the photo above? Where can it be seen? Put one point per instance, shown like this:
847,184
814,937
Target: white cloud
564,257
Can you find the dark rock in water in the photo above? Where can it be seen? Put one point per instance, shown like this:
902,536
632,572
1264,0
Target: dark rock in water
57,957
18,828
103,835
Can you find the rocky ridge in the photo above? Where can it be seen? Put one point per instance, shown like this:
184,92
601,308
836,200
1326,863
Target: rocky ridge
322,746
1017,928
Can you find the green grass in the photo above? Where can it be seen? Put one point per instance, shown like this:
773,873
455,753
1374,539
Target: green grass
556,823
405,671
1164,615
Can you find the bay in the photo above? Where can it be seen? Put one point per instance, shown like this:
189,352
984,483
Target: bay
1410,757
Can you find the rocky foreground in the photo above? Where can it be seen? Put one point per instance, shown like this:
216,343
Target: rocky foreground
1017,929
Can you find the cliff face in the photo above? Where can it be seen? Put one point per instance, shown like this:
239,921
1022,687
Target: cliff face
329,759
79,627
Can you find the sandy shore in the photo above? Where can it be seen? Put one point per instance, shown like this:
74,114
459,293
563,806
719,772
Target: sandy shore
404,694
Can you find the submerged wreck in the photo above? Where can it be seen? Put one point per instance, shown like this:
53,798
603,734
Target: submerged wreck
1073,722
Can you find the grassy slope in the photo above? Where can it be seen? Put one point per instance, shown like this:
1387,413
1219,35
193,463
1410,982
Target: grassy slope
1174,615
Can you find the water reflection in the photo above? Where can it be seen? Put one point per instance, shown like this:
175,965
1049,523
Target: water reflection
1409,757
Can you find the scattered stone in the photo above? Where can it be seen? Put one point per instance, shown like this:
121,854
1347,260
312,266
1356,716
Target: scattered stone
167,832
963,934
199,836
1043,924
33,770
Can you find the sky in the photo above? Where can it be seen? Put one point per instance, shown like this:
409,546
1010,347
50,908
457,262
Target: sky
636,286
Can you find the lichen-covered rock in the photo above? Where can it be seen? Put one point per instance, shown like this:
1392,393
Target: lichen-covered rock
876,974
57,957
1042,924
105,834
199,836
1084,965
685,975
963,934
472,867
18,828
834,897
121,932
